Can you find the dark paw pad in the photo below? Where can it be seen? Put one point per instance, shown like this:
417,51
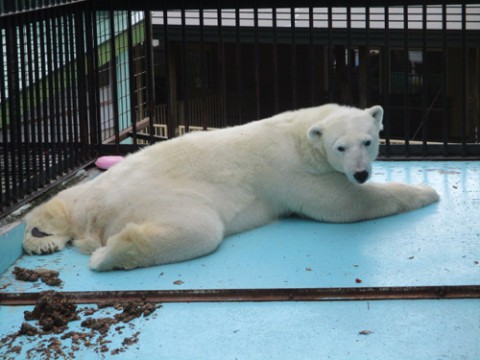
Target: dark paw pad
39,234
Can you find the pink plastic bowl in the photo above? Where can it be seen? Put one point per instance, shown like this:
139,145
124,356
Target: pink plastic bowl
106,162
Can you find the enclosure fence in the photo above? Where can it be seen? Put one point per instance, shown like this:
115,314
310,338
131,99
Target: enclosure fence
82,78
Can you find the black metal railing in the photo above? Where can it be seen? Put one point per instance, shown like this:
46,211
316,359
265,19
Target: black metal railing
43,132
417,59
81,78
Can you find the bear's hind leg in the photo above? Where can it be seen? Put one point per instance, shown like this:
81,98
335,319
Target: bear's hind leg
148,244
48,228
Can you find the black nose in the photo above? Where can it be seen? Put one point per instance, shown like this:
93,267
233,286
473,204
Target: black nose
361,176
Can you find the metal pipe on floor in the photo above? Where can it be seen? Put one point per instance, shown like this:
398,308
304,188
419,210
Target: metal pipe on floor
259,295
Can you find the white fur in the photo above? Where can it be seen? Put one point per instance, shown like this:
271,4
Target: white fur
178,199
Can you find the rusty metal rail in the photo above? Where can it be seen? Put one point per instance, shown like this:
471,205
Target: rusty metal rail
260,295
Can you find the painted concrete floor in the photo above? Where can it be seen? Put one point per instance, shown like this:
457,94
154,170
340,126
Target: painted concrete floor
437,245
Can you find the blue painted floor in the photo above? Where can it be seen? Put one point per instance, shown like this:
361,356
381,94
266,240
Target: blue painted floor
437,245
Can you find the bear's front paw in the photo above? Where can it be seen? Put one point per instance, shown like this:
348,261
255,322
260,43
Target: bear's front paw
39,242
426,195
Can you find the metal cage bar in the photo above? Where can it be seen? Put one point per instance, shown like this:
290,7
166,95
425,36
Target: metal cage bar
80,76
39,94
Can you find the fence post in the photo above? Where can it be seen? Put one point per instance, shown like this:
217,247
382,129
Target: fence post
150,73
14,146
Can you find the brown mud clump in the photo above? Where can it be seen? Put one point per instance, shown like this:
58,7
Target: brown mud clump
28,330
132,310
53,311
101,325
49,277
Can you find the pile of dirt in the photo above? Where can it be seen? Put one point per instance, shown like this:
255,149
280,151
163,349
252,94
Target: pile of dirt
49,277
130,310
53,311
52,314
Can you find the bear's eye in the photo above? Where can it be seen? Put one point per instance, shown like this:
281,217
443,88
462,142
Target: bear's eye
368,143
341,148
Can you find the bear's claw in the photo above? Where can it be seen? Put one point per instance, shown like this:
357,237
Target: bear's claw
45,249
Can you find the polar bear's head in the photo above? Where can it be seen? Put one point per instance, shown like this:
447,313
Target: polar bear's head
349,139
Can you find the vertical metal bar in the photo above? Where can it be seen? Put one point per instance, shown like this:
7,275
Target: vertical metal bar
331,68
444,80
25,142
349,66
386,80
14,105
119,19
74,90
61,93
62,73
425,84
66,108
368,83
293,57
205,115
311,58
91,131
5,184
275,58
51,99
256,61
72,98
406,71
238,64
40,99
62,105
35,151
45,99
221,61
184,65
20,159
56,95
150,72
464,80
131,76
99,24
113,73
103,66
126,50
126,94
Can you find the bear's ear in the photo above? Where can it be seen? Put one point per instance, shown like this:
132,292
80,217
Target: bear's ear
377,113
314,133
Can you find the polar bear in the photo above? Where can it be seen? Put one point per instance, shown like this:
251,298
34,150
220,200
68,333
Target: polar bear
178,199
